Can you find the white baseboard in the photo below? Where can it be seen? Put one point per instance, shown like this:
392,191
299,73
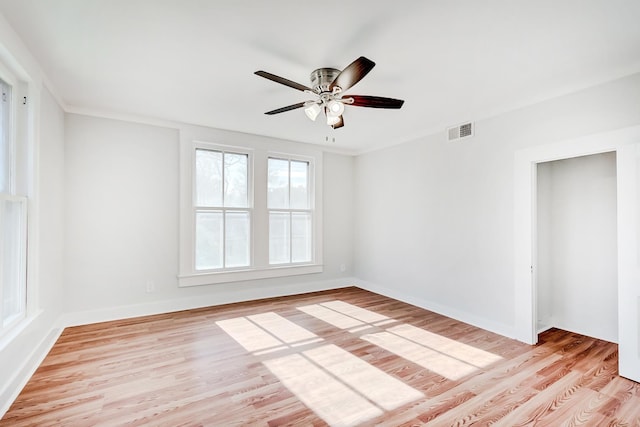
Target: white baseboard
488,325
12,388
213,299
543,328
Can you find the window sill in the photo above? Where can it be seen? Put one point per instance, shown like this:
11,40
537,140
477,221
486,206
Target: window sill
17,329
200,279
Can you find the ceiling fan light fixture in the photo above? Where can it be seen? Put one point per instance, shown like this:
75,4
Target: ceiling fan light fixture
312,111
332,120
335,108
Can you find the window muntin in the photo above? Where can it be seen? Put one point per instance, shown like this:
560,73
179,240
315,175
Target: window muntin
290,213
222,216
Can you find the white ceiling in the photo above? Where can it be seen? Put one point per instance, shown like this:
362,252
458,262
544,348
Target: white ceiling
451,61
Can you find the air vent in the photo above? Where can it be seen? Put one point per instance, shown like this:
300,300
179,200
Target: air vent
464,130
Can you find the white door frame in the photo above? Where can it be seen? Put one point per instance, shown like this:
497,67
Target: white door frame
625,142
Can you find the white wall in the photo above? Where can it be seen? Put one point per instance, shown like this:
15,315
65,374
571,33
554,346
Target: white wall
435,223
121,211
577,245
51,203
544,256
20,357
122,224
338,215
23,348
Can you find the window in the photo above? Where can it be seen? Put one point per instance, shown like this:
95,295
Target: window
13,220
248,212
6,148
222,214
290,214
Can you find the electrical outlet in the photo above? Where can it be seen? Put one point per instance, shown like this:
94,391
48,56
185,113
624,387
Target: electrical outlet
343,268
151,287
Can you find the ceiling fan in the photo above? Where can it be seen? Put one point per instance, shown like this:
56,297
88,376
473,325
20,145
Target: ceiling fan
327,88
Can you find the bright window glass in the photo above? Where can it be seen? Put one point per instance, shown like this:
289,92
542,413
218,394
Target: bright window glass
13,265
279,237
290,215
222,226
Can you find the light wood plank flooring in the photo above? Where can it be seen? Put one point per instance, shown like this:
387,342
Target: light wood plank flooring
346,357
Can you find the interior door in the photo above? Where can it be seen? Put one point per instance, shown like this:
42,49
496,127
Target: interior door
628,165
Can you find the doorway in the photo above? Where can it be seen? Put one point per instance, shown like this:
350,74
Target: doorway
576,254
625,143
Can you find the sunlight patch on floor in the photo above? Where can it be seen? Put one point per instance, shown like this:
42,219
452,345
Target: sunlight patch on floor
434,361
362,314
266,332
442,355
329,398
283,329
384,390
248,334
452,348
343,315
331,317
338,386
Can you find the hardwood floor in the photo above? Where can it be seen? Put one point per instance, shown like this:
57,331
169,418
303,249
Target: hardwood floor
346,357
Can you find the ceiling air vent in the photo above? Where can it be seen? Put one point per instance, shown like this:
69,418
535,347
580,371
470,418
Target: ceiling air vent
464,130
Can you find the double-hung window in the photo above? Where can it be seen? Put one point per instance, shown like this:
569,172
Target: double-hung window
13,218
222,213
290,213
250,211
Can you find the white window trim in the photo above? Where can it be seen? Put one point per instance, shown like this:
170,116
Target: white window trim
259,150
23,175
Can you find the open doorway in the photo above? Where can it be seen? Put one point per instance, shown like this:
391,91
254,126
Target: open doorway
625,143
576,257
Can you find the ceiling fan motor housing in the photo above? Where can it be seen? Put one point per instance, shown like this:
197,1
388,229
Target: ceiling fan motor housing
322,78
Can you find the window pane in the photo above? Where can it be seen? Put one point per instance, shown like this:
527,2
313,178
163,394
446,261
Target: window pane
299,185
300,237
13,266
5,161
208,178
279,238
237,239
209,235
235,180
278,184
